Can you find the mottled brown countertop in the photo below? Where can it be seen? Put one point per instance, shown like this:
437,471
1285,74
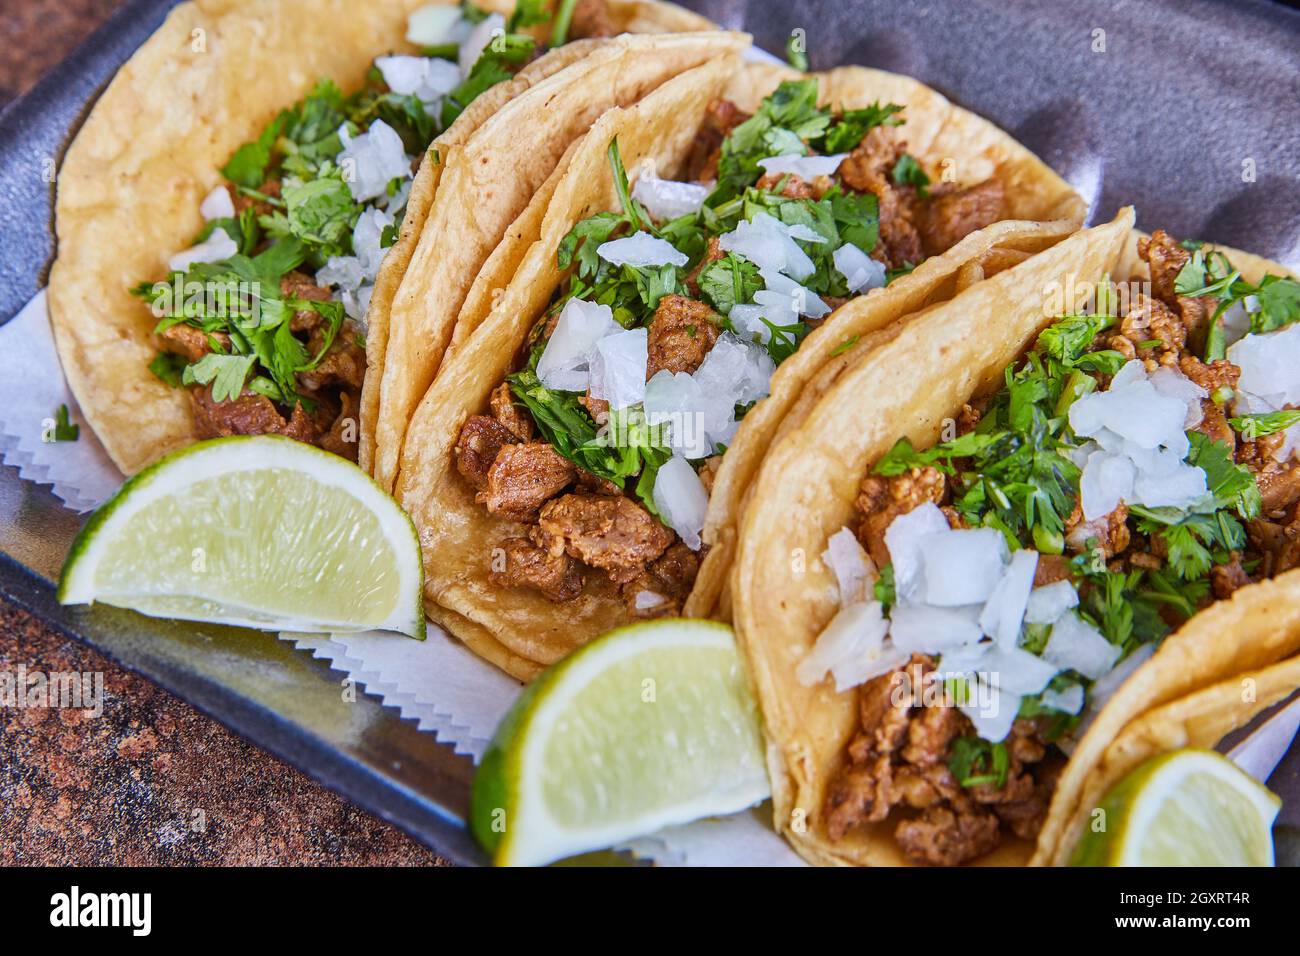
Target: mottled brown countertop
150,781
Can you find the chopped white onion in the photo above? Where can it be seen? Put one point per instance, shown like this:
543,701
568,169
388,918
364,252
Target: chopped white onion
564,363
428,79
681,499
1048,603
1179,489
860,271
962,567
1078,646
853,568
1106,480
217,205
372,160
805,167
903,538
676,400
436,24
1069,701
478,40
992,711
618,368
1270,365
1005,609
667,199
1016,670
767,242
641,250
852,648
930,630
215,248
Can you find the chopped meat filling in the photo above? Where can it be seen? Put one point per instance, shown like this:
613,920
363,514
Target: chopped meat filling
525,565
616,535
591,19
950,217
881,500
523,477
663,587
897,764
476,449
720,118
680,335
514,418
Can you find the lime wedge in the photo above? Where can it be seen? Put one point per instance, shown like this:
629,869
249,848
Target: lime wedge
261,532
1184,808
648,726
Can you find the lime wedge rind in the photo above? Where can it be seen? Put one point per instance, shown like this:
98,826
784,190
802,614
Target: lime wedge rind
224,458
1188,807
512,777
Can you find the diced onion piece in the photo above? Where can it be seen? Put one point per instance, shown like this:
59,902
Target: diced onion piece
767,242
1069,701
372,160
674,399
425,78
1005,609
681,499
435,25
1078,646
903,538
991,710
217,205
1183,487
1015,670
215,248
1106,480
805,167
930,630
850,564
478,41
618,368
1048,603
1270,365
786,300
852,648
641,250
667,199
564,362
963,567
1104,689
860,271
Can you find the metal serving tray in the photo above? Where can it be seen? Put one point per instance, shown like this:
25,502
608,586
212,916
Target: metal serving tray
1163,103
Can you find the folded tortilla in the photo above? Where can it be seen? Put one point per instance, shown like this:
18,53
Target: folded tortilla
485,182
519,629
209,80
905,381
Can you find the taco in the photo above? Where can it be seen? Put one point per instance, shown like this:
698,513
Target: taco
268,144
558,469
1006,529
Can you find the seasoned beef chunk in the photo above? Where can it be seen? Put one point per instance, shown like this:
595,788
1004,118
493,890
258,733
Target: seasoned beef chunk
942,837
1148,320
191,343
480,440
899,760
867,169
524,477
526,565
664,586
883,499
681,334
509,414
1166,257
591,19
1217,374
616,535
253,414
1228,577
792,186
341,439
1214,425
1279,487
950,217
299,285
597,408
1051,568
343,365
1110,531
721,117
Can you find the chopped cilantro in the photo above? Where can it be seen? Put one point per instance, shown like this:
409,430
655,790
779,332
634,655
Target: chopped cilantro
908,172
975,761
64,430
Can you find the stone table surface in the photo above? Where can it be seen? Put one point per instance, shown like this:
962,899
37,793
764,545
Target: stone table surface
150,781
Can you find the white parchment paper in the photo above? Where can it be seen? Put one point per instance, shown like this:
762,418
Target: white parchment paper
437,683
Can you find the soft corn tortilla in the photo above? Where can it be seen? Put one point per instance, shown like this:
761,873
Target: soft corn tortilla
948,141
210,79
906,381
518,629
1201,719
486,183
